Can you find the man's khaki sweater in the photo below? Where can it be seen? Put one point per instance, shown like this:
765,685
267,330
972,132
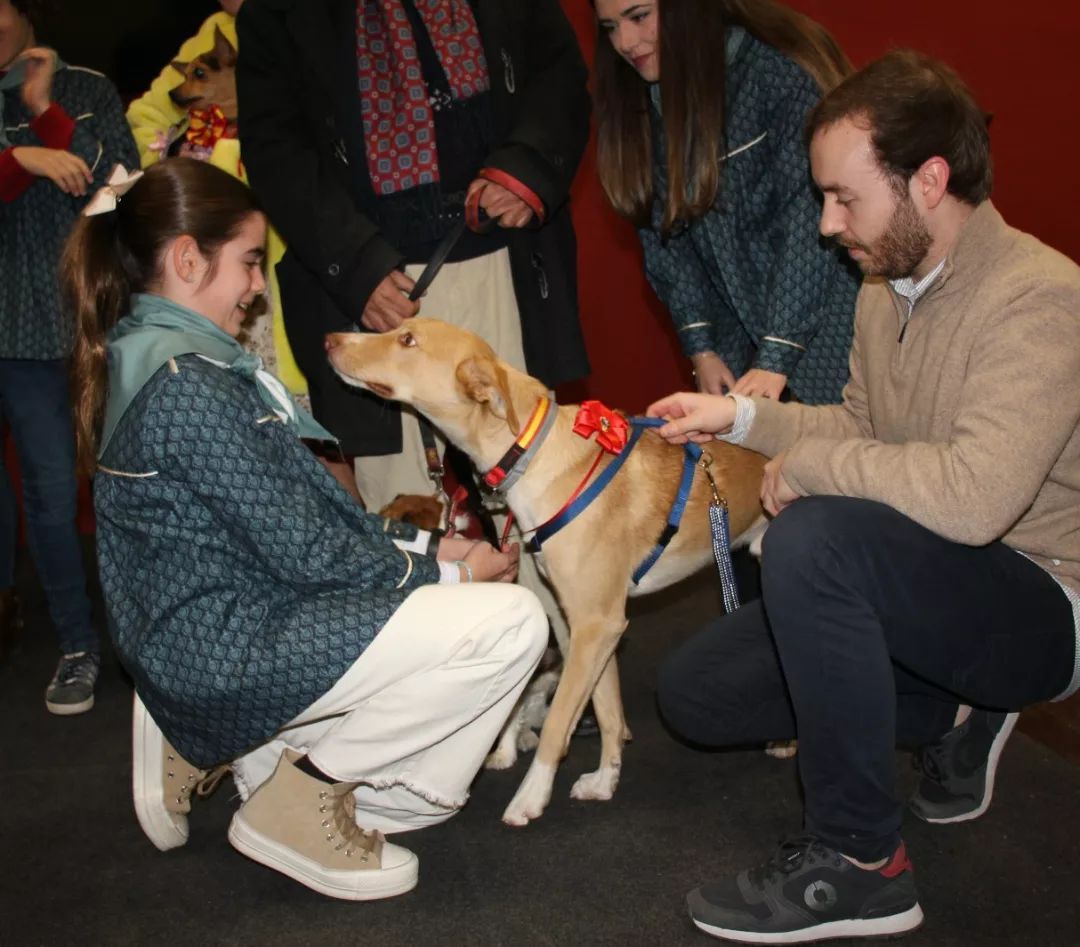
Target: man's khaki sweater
969,421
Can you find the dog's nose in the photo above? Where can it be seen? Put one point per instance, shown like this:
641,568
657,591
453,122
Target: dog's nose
332,340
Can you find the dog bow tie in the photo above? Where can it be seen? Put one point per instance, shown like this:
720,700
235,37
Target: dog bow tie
611,427
119,182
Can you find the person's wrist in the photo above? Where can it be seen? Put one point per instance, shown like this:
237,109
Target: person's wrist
466,570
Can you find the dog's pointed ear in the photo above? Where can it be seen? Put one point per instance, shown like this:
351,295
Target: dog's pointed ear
484,381
180,67
223,49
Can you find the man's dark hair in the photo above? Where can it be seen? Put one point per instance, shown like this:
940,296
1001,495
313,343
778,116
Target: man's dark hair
915,108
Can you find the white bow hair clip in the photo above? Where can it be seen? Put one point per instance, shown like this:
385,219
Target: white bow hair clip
108,197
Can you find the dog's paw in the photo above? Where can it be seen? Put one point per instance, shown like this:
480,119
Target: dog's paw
527,741
782,749
502,757
532,796
599,785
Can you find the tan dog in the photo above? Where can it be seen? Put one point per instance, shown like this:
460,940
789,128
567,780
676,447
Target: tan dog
209,79
480,403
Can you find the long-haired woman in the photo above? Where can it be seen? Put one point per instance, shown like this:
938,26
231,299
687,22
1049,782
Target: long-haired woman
700,108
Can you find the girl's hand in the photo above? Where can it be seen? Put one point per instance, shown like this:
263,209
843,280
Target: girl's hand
489,564
693,416
67,171
711,373
454,548
37,86
757,381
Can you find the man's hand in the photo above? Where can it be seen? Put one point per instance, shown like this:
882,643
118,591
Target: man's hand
693,416
711,373
776,493
501,205
454,548
67,171
37,86
757,381
389,305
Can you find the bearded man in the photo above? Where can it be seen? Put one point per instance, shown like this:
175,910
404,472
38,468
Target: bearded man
921,582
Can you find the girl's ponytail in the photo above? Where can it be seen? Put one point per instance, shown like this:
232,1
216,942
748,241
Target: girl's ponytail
97,291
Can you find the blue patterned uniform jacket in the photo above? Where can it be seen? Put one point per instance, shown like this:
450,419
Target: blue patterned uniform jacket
241,580
34,226
752,280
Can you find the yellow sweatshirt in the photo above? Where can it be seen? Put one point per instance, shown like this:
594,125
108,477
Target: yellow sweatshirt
153,116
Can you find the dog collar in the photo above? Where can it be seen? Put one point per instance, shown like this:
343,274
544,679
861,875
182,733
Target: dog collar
506,472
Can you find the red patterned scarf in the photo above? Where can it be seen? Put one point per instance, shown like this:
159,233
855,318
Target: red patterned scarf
399,127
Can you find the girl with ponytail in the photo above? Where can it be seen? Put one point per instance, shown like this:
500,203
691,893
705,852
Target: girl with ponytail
330,657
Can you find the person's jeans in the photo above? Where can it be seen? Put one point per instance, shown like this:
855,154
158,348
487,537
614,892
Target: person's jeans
871,631
35,403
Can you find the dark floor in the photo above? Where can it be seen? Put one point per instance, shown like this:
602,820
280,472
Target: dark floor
75,868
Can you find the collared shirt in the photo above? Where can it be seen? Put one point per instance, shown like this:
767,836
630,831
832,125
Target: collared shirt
912,291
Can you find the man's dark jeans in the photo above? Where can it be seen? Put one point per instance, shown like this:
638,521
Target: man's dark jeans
871,631
36,405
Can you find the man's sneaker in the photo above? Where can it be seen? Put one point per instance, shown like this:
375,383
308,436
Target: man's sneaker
71,691
306,829
162,782
808,892
958,770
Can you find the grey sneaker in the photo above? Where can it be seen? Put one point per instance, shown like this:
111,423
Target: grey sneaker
809,892
958,770
71,691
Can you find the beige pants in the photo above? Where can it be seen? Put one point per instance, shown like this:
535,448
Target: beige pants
421,707
477,295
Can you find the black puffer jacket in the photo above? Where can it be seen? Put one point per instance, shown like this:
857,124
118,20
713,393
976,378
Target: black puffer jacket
303,146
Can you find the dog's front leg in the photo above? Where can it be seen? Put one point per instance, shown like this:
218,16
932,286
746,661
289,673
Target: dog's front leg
614,732
590,649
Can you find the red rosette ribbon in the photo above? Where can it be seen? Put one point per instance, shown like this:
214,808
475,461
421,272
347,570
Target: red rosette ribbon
207,126
610,427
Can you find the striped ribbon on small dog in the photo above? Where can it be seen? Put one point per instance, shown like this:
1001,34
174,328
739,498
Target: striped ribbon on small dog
721,544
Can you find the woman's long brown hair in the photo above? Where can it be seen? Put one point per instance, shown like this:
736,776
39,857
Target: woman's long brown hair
692,35
110,256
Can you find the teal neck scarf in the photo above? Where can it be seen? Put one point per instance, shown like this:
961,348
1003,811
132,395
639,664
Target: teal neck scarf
11,81
157,330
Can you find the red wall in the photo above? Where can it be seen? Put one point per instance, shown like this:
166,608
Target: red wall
1023,65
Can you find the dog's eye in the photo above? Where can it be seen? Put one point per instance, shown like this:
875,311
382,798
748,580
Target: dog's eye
200,73
406,339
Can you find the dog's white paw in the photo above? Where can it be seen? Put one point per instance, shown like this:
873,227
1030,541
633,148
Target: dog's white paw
502,757
532,796
527,741
782,749
599,785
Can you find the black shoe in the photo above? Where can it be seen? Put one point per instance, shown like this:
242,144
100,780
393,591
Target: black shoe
958,770
808,892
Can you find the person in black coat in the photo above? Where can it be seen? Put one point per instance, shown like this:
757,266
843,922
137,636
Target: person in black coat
349,237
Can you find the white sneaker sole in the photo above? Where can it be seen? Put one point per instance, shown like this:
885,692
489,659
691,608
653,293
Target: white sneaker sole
147,747
66,710
890,926
992,758
359,885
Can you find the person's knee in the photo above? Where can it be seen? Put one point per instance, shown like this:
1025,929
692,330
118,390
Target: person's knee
798,536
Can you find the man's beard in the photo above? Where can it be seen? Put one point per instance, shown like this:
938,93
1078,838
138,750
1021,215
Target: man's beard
902,247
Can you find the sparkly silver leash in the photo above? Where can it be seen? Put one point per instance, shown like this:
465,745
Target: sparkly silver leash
721,539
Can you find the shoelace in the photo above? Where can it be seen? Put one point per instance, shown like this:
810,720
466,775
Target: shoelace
339,810
81,668
793,852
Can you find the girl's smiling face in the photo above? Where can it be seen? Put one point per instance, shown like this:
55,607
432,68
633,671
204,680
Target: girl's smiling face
633,28
234,280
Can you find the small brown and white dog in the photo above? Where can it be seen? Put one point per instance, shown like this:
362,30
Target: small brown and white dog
479,403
